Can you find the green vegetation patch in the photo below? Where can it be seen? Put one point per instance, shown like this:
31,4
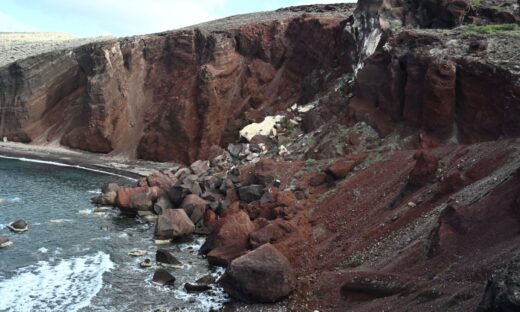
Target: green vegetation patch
490,29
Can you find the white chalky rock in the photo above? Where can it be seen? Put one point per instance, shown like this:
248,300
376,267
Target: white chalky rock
266,127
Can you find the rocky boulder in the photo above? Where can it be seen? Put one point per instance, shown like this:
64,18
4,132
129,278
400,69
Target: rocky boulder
195,208
18,226
250,193
173,223
5,242
200,167
162,204
163,277
164,257
131,200
229,238
262,275
109,187
105,199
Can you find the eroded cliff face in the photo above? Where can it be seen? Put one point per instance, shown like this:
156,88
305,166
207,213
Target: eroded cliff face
171,96
395,188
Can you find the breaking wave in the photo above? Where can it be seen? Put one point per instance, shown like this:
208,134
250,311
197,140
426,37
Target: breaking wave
67,285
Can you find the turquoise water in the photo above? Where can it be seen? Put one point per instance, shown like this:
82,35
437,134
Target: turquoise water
74,259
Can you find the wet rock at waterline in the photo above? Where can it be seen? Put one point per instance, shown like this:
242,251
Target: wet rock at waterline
164,257
163,277
18,226
196,287
5,242
137,253
110,187
262,275
146,263
108,198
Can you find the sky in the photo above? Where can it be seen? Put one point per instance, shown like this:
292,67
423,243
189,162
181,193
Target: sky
86,18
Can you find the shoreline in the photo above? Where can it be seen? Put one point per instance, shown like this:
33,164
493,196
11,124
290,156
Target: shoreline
60,156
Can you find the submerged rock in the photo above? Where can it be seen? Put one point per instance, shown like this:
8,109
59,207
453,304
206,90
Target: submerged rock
146,263
137,253
262,275
18,226
5,242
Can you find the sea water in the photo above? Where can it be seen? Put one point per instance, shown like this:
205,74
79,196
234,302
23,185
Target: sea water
73,259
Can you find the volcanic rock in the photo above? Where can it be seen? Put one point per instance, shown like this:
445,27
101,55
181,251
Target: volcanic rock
5,242
196,287
250,193
164,257
173,223
109,187
163,277
146,263
231,229
105,199
162,204
195,208
18,226
176,195
341,168
262,275
200,167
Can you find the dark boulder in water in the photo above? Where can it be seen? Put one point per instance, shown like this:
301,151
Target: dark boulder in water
163,277
18,226
164,257
5,242
196,287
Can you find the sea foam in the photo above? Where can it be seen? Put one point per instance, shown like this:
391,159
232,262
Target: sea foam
10,200
67,285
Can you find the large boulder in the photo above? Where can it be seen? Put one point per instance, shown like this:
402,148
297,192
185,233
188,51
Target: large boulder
173,223
503,290
229,238
262,275
131,200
